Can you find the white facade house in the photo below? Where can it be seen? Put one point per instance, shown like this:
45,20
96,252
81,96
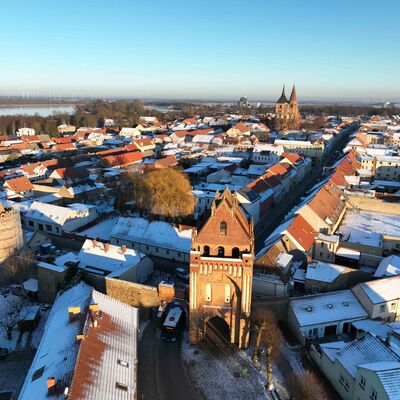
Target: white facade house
362,369
322,315
130,132
25,132
114,261
156,238
381,298
56,219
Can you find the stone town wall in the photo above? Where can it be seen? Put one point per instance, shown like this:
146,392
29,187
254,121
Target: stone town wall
374,205
134,294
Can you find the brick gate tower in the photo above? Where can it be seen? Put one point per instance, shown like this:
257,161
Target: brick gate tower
221,271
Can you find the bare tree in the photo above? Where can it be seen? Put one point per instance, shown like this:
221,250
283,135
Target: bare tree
11,313
268,334
17,268
306,386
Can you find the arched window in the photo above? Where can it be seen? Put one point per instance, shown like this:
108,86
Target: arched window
235,252
221,251
206,250
223,228
227,294
208,292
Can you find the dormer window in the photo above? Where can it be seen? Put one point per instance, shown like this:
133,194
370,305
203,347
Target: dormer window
223,228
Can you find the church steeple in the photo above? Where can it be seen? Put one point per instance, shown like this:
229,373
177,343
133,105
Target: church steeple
283,98
293,95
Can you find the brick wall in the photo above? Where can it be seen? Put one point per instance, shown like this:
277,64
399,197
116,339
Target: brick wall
134,294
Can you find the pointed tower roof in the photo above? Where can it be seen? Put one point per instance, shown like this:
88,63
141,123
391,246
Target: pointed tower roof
293,96
283,98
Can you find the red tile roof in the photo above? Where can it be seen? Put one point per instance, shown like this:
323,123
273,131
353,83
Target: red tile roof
294,158
122,160
143,142
19,185
302,232
64,147
327,202
62,140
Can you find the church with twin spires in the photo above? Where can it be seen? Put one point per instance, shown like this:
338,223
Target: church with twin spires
287,115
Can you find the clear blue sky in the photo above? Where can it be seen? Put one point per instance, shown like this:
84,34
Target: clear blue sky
201,49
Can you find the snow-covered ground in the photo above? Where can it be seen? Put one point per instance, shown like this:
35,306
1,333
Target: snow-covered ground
214,377
21,340
227,377
102,230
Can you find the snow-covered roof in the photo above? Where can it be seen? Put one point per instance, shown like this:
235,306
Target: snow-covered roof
382,290
102,230
106,257
66,258
364,351
331,348
52,267
114,343
323,272
367,228
48,213
283,260
389,266
58,349
327,307
156,233
348,253
91,367
388,373
376,328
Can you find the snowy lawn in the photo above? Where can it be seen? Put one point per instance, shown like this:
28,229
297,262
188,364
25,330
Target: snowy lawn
21,340
225,377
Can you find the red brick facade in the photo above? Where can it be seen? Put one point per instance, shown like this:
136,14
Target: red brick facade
221,271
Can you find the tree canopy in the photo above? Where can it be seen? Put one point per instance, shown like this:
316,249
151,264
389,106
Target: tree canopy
162,192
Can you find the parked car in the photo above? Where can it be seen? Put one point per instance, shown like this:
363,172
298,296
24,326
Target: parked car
182,273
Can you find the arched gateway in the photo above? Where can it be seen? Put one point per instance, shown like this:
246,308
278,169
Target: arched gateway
221,271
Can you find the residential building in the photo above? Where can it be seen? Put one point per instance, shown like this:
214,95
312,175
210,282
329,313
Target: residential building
362,369
156,238
88,349
56,219
25,132
323,315
105,259
381,298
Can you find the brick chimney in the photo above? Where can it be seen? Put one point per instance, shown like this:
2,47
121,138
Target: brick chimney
51,385
106,247
94,242
123,248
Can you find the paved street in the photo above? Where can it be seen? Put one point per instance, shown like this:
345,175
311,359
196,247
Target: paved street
161,375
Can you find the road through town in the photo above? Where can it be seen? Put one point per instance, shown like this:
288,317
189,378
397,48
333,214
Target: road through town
160,372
